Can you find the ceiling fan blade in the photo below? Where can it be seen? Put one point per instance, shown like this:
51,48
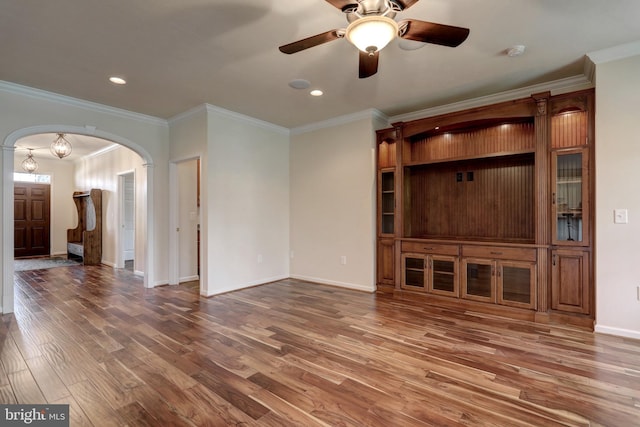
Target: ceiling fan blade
368,64
342,4
310,42
404,4
429,32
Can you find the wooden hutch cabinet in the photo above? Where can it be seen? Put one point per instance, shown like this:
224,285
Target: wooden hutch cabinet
490,209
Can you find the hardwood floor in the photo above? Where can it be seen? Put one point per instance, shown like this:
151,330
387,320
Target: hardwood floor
294,353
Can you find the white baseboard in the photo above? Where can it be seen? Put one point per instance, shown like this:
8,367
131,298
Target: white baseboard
110,264
189,278
243,286
354,286
620,332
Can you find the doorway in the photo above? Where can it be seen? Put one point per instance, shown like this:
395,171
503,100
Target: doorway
127,229
31,214
187,220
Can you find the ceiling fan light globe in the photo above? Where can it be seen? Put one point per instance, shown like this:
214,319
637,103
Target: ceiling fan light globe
371,34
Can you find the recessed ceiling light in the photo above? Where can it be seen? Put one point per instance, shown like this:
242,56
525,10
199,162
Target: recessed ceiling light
117,80
516,50
299,84
316,92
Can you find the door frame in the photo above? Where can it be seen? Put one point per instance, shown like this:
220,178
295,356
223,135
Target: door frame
174,223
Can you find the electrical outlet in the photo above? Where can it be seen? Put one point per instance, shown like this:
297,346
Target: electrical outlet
343,260
638,292
259,259
291,255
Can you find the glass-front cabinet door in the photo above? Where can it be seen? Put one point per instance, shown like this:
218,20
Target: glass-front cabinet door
387,201
570,201
443,275
516,283
478,279
414,272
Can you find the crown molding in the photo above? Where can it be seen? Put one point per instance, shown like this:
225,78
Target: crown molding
243,118
371,113
40,94
614,53
556,87
202,108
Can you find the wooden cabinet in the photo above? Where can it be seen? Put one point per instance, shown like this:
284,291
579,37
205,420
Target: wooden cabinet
505,276
430,268
570,279
386,207
437,274
493,207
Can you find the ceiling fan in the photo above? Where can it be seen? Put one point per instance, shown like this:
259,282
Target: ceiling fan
371,27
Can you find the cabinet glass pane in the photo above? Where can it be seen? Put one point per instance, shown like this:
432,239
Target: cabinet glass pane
414,272
569,197
443,275
387,181
478,279
387,201
516,284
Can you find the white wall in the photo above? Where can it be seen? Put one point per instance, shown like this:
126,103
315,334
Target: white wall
333,204
63,211
617,176
101,172
247,196
188,133
188,213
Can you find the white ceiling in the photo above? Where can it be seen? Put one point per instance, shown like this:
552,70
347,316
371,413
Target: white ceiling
177,55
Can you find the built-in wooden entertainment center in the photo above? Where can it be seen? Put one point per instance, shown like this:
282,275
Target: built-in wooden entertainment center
489,209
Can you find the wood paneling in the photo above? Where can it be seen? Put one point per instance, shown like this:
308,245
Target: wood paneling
496,202
293,353
473,143
386,154
569,129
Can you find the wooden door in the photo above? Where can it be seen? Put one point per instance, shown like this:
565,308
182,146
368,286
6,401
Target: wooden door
31,213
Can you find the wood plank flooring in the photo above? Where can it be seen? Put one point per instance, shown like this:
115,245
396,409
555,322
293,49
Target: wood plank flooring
292,353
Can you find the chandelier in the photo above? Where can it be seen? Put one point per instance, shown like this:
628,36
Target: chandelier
60,147
29,164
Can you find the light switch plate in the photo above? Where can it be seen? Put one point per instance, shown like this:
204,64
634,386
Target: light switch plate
620,216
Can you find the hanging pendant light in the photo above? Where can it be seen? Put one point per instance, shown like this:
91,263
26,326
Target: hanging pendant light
60,147
29,164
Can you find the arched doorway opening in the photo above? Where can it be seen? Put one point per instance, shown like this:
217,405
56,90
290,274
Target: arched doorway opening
8,147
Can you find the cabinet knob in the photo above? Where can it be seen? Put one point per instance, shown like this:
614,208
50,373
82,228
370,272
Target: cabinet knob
496,253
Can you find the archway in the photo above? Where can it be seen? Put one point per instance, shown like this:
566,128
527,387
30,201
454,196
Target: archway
8,146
